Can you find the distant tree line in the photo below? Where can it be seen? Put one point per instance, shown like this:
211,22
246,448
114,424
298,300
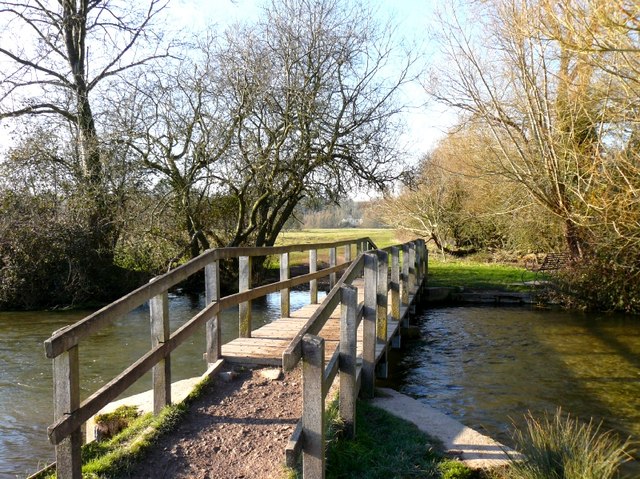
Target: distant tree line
134,150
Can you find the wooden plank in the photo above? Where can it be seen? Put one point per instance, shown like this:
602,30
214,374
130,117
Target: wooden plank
369,324
285,272
313,284
348,352
66,394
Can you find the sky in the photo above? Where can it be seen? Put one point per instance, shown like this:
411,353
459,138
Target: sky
427,121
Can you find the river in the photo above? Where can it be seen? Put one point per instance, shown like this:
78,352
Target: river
488,366
484,366
26,392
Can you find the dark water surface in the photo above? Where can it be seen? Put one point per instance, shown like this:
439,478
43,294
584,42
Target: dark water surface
26,395
488,366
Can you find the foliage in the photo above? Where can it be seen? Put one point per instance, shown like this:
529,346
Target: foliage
456,470
560,447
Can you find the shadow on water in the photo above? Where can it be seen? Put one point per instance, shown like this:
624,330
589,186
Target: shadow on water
488,366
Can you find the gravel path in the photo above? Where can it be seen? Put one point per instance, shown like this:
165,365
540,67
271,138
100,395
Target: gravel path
237,428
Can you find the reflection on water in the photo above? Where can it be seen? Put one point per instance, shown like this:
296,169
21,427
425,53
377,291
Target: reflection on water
26,395
488,366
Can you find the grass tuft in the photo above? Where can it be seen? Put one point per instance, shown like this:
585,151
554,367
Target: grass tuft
561,447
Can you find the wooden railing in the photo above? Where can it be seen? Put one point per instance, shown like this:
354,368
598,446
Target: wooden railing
70,413
390,294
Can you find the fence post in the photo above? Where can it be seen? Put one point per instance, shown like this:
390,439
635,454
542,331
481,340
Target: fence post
213,350
313,423
161,374
333,261
348,344
404,291
412,266
369,325
66,399
285,272
347,253
244,284
382,299
395,283
313,284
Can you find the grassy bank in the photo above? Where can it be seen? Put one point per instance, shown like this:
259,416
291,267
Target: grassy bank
475,275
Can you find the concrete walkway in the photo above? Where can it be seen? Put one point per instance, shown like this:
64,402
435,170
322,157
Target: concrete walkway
474,449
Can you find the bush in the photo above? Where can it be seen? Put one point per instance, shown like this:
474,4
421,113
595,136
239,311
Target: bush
560,447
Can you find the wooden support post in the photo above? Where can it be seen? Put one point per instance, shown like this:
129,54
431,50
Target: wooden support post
244,284
412,266
313,422
347,253
313,284
348,353
333,261
382,295
213,331
395,283
66,399
404,282
285,272
161,374
369,325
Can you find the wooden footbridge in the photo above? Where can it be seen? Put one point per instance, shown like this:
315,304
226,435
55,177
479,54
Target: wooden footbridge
349,334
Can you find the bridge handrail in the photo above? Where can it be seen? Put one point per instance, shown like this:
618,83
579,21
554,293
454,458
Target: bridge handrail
66,338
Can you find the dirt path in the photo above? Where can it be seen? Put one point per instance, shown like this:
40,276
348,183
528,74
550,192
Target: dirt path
237,428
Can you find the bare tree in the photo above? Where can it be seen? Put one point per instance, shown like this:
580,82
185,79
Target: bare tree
59,59
319,81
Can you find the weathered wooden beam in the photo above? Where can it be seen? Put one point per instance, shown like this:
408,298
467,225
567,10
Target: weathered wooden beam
404,280
395,284
244,284
66,400
348,353
213,332
285,303
161,374
369,324
333,258
313,284
313,417
382,293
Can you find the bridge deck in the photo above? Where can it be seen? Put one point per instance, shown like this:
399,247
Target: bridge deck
266,344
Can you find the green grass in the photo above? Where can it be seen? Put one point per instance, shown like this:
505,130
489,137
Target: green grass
118,455
470,274
380,236
386,447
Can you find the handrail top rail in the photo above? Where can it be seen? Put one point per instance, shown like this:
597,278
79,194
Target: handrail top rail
64,339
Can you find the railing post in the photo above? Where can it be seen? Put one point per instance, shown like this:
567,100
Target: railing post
412,266
244,284
313,422
333,261
347,253
161,374
395,283
382,307
404,291
348,344
66,399
213,350
313,284
285,272
369,325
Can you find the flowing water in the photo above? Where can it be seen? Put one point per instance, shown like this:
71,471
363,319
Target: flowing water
484,366
488,366
26,396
